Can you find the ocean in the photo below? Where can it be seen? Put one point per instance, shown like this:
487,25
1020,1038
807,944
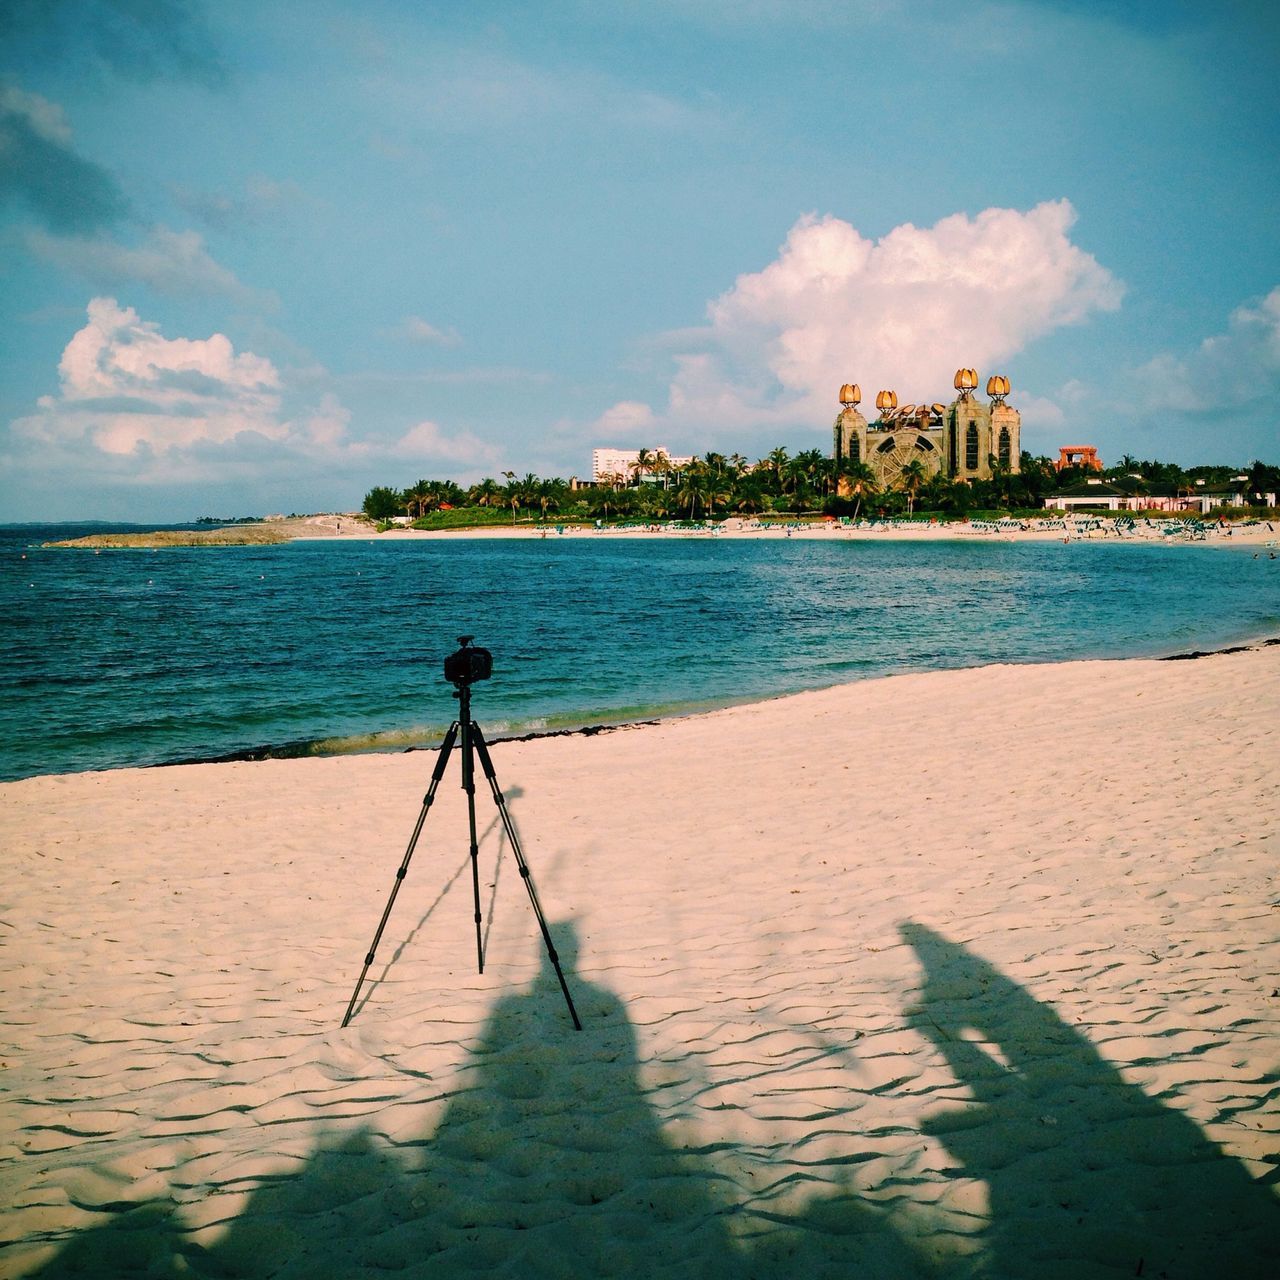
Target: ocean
183,654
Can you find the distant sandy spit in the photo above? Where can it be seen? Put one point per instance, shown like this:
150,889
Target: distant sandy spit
944,974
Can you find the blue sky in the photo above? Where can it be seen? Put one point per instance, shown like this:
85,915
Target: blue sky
262,256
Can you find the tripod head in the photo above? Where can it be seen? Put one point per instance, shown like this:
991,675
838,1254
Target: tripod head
468,664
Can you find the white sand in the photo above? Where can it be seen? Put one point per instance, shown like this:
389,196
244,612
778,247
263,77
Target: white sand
945,974
1263,538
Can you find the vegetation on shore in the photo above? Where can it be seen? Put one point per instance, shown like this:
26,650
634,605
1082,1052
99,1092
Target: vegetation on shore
808,483
239,536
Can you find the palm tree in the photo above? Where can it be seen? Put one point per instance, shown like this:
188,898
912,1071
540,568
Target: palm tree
749,494
912,478
484,494
718,489
862,483
937,492
550,495
642,465
812,466
694,484
776,462
1000,482
513,492
418,496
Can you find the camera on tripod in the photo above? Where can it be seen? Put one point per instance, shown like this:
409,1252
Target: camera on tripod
468,664
463,669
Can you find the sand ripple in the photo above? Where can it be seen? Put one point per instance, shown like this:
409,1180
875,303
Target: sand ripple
956,974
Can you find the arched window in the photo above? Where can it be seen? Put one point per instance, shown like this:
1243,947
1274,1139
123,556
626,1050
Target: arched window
924,444
888,446
971,448
855,449
1005,453
953,435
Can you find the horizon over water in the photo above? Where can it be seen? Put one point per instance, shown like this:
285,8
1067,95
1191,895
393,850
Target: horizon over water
139,657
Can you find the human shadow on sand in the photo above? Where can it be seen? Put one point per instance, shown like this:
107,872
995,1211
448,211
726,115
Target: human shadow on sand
1086,1174
551,1162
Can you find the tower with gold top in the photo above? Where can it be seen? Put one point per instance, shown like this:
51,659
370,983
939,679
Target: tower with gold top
964,440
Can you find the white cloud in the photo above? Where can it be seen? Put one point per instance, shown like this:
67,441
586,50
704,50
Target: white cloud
902,312
174,263
416,329
46,119
1235,370
429,443
135,408
127,390
622,420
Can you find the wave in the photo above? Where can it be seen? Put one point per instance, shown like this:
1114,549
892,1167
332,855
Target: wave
393,741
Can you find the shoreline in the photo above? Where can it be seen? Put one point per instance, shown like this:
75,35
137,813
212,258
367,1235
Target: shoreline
299,750
799,935
305,748
348,527
1050,529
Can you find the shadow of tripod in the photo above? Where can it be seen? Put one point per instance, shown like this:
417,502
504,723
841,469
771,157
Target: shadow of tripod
462,669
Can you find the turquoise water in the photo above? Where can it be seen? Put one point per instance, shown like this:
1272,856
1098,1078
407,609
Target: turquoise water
147,657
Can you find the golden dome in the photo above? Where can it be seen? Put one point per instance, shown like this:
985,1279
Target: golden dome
850,394
997,385
887,400
966,379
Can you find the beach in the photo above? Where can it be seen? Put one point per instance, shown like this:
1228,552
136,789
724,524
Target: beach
1256,534
939,974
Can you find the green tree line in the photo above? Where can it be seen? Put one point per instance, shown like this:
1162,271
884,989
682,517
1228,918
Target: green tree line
808,482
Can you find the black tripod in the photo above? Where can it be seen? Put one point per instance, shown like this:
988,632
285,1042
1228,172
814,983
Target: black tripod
462,668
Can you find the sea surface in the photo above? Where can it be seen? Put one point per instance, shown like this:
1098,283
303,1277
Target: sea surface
180,654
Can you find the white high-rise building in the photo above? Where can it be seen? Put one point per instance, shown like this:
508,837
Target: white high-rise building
621,462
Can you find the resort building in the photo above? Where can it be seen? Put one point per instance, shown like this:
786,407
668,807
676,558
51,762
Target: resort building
1078,455
626,463
963,440
1133,494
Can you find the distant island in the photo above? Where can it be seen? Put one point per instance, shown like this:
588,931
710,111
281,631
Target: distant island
260,532
241,536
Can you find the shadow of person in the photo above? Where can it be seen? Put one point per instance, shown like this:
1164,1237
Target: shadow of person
323,1221
1087,1175
548,1161
551,1161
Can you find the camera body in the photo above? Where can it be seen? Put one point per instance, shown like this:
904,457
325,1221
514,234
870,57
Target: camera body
468,664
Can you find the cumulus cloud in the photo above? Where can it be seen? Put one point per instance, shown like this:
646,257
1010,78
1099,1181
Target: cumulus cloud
128,390
174,263
902,312
429,443
1235,370
623,420
40,168
135,407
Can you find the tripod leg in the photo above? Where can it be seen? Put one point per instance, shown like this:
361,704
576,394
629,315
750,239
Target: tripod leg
469,786
499,799
436,774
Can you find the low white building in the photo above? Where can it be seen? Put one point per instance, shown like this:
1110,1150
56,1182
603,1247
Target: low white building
1103,495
